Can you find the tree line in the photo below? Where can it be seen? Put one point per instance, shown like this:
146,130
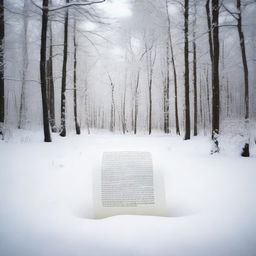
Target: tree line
202,84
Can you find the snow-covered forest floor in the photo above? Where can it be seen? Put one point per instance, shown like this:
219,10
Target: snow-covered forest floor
46,198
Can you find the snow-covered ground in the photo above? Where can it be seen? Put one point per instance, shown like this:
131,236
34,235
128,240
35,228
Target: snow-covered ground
46,205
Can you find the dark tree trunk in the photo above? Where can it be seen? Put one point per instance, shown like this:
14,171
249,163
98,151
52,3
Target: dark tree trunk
112,118
246,149
150,69
176,97
210,39
244,58
78,130
102,120
124,111
208,95
228,99
51,94
201,103
150,102
1,66
150,109
195,86
136,107
64,77
167,93
195,71
215,74
47,135
186,74
112,110
132,117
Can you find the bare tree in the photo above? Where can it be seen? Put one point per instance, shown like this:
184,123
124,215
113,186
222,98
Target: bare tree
123,112
238,17
195,70
151,58
64,75
22,112
174,72
112,110
78,130
228,98
87,119
135,89
47,135
209,24
50,82
208,95
210,40
200,101
213,32
186,73
136,107
2,67
45,10
167,92
246,150
215,74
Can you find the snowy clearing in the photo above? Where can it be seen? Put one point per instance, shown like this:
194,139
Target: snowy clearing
47,209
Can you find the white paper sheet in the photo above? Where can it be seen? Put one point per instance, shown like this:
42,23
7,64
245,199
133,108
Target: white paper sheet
127,183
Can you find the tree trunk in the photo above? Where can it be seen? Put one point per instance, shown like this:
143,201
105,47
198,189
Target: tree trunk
166,93
78,131
22,111
208,95
195,87
112,110
246,150
87,119
132,107
64,76
209,24
47,135
124,110
215,75
51,94
244,58
186,74
210,39
112,117
150,102
174,73
136,103
2,67
176,97
195,71
228,99
151,62
201,103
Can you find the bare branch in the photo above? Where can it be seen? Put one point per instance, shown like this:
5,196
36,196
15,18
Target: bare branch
86,3
233,14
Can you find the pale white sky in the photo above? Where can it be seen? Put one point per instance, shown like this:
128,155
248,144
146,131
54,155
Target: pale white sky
117,8
113,9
